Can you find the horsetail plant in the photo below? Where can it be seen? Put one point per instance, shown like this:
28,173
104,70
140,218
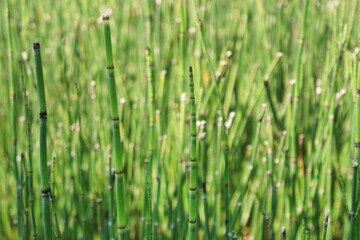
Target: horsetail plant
353,202
13,118
119,168
111,201
52,199
151,109
28,121
293,135
193,210
45,186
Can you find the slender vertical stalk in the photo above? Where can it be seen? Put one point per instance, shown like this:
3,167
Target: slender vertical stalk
151,109
20,198
293,136
325,224
45,186
111,201
13,117
119,168
80,167
52,199
28,121
26,232
353,202
205,202
193,211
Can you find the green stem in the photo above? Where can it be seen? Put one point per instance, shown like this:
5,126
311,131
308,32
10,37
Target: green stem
353,203
151,109
45,186
119,168
193,211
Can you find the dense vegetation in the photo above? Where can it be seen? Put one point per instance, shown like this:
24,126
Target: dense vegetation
107,132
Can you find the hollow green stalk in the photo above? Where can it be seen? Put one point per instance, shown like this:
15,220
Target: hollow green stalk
28,121
119,168
151,109
13,117
45,186
293,136
193,211
353,203
52,199
111,201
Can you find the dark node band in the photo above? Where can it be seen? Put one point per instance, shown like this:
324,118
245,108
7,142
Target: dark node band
190,69
115,119
110,67
192,97
36,45
43,115
357,144
339,57
119,173
194,135
191,84
121,227
45,193
192,221
192,189
193,114
225,185
204,186
192,159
